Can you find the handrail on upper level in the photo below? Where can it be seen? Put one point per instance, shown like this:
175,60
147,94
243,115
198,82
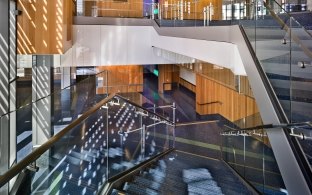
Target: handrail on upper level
289,15
295,38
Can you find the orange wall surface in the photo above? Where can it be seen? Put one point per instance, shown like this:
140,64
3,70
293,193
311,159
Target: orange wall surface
44,27
170,10
114,8
215,98
121,79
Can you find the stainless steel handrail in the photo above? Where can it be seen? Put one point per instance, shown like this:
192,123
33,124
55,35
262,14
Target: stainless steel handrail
269,126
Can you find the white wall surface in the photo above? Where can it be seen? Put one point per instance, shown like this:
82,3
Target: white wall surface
101,45
188,75
96,45
220,53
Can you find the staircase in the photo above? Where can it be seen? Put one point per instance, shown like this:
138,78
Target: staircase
180,173
281,46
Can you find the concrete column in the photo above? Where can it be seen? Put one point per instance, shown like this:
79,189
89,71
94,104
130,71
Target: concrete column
65,80
66,98
7,90
41,90
309,5
12,75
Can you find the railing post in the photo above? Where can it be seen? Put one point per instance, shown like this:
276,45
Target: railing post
207,15
153,7
143,129
174,122
107,83
33,166
154,109
204,11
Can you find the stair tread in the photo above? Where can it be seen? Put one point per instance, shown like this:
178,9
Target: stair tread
133,188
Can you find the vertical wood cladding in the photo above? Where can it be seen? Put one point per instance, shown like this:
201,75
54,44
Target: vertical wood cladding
165,77
214,98
130,8
122,79
171,10
168,75
44,27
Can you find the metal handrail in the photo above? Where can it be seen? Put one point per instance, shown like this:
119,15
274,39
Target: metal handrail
275,102
295,38
152,113
252,130
33,156
268,126
290,16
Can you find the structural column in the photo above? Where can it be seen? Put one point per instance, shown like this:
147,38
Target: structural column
7,88
41,90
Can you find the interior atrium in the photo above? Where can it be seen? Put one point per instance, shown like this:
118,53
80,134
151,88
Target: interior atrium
155,97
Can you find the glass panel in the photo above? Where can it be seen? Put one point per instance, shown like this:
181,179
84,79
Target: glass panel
77,161
58,109
111,140
250,154
124,136
282,46
303,133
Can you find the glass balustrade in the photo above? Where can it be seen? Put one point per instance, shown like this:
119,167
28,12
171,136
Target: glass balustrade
115,137
49,114
303,134
185,13
283,48
249,153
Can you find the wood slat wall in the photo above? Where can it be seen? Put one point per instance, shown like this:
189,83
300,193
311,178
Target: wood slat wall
165,76
222,75
44,27
111,8
122,79
245,86
196,9
215,98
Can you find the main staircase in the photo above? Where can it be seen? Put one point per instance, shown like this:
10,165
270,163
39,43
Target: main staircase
182,173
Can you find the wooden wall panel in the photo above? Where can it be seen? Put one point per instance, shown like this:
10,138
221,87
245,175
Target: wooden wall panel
44,27
122,79
176,74
196,9
217,73
245,86
130,8
214,98
165,76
